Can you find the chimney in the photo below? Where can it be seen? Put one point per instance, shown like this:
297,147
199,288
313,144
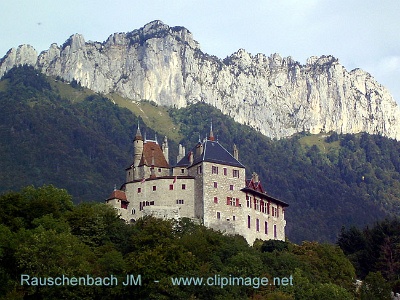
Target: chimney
235,152
199,149
181,153
165,149
254,177
191,157
152,171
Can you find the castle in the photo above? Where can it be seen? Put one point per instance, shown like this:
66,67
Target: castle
208,184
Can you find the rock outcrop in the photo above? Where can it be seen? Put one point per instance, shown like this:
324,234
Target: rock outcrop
275,95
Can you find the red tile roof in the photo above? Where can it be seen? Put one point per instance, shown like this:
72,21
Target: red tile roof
117,194
152,149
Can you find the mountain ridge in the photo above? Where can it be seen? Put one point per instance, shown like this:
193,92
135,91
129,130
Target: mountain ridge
277,96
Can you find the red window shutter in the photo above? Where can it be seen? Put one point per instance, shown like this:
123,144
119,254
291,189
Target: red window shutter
237,201
228,200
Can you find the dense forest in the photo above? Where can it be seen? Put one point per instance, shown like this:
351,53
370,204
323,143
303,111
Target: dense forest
83,146
43,234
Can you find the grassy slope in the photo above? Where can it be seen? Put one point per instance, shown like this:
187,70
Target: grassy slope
152,115
320,142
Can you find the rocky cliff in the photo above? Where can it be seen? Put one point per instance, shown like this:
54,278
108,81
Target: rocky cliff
276,95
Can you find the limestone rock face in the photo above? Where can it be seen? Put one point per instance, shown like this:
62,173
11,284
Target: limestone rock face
275,95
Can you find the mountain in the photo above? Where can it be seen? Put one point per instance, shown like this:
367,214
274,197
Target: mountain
52,132
277,96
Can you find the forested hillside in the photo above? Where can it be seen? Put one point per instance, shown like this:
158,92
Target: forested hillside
55,133
44,235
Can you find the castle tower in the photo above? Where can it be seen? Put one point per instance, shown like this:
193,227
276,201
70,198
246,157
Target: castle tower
137,152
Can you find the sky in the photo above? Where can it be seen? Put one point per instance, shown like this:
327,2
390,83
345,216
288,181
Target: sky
361,34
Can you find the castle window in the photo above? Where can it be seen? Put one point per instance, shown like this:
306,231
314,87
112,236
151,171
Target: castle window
257,204
215,199
154,188
236,173
139,190
257,225
151,203
171,187
182,171
179,201
263,208
183,186
231,187
234,218
266,227
248,221
218,215
225,171
159,170
199,170
275,232
215,184
214,170
248,200
237,202
274,212
133,211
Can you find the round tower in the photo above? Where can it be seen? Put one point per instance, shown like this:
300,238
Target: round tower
137,148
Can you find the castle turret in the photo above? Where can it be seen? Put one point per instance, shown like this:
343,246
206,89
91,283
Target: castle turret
137,147
137,152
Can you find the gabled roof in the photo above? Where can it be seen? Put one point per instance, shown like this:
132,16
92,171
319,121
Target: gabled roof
255,185
214,152
255,188
117,194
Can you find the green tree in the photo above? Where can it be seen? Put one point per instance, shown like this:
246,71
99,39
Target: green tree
375,287
44,253
331,291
